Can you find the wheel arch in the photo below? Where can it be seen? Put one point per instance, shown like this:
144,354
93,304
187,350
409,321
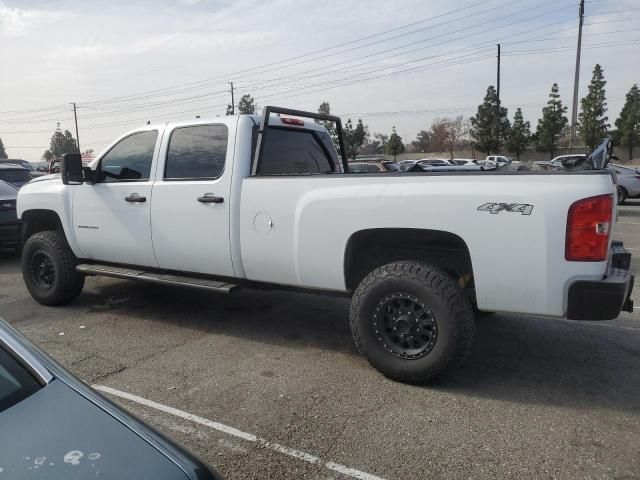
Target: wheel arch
40,220
371,248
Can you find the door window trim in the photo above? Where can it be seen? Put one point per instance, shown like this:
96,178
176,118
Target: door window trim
192,179
120,140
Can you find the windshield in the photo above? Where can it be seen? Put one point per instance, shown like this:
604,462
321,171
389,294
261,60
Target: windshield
18,176
16,383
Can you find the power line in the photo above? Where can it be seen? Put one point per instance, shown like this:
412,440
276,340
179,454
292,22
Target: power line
234,74
337,81
164,104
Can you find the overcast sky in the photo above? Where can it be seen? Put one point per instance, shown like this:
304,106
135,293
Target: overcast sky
395,62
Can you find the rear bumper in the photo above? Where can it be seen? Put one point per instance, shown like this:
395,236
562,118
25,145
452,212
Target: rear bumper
604,299
9,233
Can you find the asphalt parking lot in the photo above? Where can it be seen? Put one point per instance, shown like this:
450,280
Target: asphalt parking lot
269,385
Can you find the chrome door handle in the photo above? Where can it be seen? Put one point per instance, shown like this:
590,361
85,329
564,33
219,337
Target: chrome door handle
210,198
135,198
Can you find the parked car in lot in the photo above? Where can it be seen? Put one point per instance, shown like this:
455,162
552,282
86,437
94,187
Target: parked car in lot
628,180
463,162
433,162
53,426
561,160
405,165
14,174
457,164
368,167
33,171
195,204
499,160
391,166
9,223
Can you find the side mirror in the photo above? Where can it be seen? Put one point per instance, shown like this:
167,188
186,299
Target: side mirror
89,175
71,169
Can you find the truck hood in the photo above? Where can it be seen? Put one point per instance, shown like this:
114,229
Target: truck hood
44,178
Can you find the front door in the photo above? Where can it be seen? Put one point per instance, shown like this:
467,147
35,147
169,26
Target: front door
191,197
112,217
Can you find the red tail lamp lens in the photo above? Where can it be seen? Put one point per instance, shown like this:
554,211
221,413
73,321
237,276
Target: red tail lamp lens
588,229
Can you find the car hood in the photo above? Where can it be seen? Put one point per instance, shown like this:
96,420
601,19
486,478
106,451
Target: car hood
46,177
56,433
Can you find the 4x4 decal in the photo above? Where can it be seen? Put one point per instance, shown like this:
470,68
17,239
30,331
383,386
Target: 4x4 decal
493,207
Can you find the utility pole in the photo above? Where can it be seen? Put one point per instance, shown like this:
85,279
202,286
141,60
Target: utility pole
233,104
75,117
574,110
497,126
498,82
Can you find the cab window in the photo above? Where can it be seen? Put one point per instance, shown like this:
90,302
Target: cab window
196,152
295,151
130,159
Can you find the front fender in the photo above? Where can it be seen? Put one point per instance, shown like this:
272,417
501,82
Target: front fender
49,195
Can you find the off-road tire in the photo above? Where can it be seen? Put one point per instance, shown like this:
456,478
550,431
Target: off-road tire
65,283
434,288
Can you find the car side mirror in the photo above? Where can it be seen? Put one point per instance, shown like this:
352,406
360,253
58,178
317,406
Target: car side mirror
71,169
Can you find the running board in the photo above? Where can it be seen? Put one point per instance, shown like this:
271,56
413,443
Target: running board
154,277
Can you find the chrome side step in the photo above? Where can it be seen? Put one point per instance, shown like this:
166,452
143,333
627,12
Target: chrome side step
154,277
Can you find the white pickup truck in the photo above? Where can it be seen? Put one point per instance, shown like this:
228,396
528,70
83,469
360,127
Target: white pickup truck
248,201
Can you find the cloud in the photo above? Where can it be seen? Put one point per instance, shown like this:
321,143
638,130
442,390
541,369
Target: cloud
15,21
171,41
18,22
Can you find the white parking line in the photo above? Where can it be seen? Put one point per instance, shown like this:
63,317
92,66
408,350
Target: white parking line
249,437
628,223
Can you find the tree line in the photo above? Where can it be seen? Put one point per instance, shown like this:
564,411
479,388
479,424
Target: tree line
490,130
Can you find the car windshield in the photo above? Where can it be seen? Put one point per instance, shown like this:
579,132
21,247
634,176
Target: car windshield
16,383
16,176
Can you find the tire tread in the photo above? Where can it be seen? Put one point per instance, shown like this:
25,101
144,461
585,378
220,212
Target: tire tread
71,282
452,297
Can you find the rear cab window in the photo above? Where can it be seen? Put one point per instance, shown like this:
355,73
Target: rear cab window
297,151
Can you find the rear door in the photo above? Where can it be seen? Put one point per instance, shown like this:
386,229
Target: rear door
191,198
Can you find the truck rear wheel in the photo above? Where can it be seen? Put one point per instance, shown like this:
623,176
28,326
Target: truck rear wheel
411,321
49,269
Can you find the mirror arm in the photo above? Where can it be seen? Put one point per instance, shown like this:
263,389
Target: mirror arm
89,175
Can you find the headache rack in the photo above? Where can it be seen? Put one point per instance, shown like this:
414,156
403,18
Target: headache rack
264,130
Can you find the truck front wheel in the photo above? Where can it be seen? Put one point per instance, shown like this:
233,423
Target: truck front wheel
411,321
49,269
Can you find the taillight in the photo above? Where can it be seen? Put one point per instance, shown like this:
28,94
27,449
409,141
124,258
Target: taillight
588,228
292,121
